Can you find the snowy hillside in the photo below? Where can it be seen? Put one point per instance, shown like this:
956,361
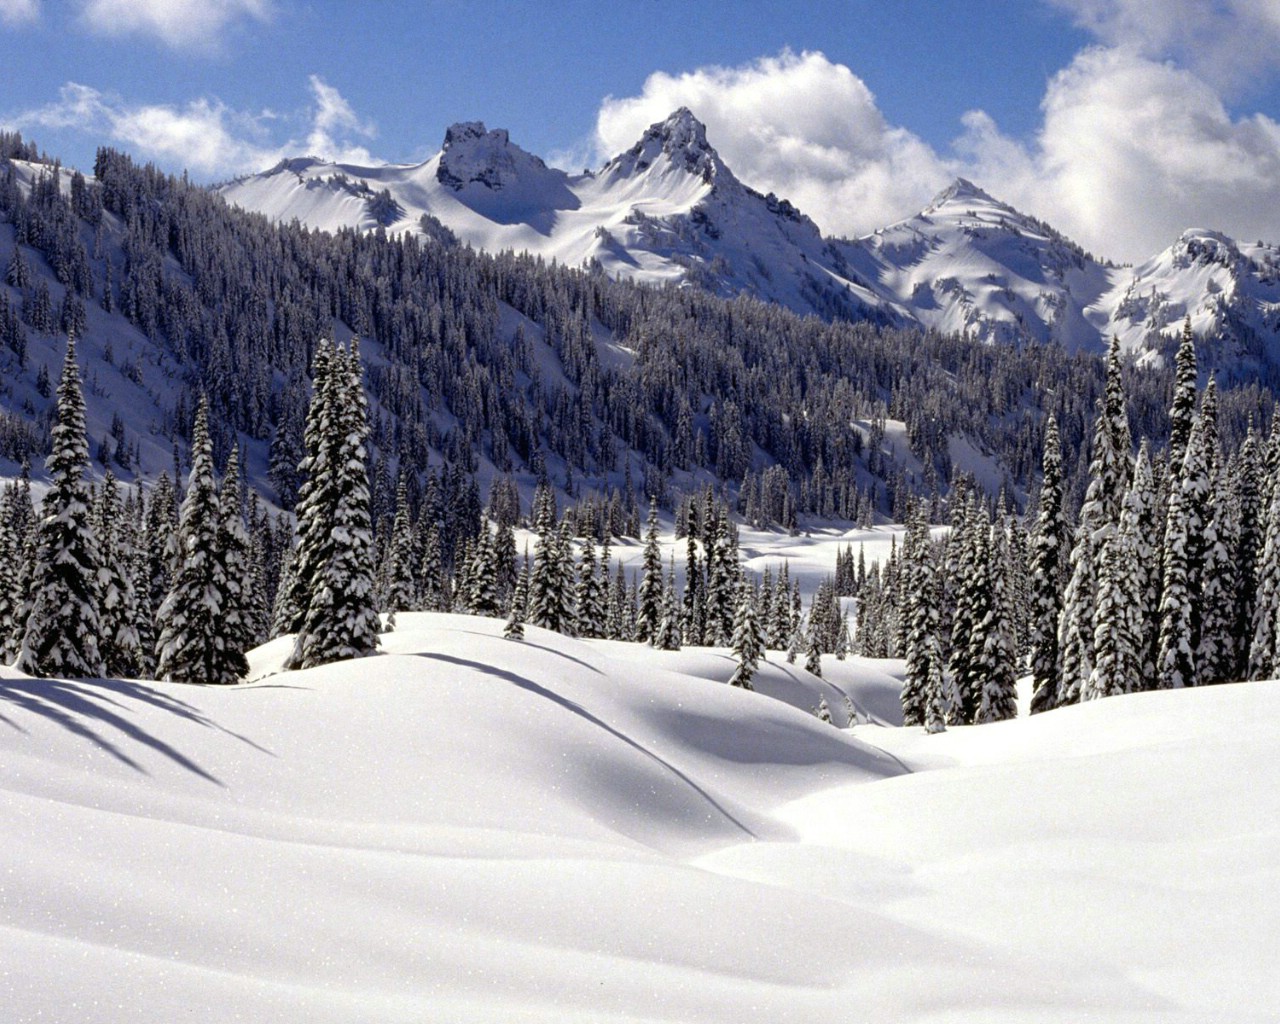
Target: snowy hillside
471,829
670,209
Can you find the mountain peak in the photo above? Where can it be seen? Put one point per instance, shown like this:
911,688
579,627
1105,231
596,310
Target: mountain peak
472,153
682,139
960,191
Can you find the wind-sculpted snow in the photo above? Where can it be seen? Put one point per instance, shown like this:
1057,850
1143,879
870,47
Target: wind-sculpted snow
465,828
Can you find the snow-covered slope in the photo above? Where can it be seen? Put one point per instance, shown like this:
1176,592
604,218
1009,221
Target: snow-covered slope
470,829
969,264
1230,289
669,209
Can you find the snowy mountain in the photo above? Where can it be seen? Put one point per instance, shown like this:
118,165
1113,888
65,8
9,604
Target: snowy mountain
669,209
470,829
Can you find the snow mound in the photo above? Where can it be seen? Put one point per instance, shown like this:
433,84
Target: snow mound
471,829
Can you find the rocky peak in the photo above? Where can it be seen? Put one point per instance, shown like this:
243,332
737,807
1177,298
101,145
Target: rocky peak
473,154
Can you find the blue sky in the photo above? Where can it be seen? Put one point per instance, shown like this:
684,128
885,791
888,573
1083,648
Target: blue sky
1120,121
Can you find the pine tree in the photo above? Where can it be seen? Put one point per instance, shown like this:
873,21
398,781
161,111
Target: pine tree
922,615
341,619
998,700
482,582
316,497
823,711
589,597
193,646
1049,553
398,579
935,720
62,624
1182,411
668,635
748,640
813,652
649,605
1117,634
234,551
1266,615
722,583
1247,488
119,642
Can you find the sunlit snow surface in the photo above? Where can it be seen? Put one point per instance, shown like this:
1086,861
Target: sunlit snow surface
466,828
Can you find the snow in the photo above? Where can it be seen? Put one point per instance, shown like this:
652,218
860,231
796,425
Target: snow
670,210
466,828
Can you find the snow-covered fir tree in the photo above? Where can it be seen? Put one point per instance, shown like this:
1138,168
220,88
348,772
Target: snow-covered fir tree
341,619
61,618
120,642
649,602
234,549
748,640
1049,553
998,694
194,645
922,614
397,580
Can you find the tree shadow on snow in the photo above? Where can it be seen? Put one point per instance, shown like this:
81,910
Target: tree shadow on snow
577,709
90,709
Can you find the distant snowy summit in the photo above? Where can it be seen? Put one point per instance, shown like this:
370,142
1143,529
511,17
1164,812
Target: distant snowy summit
670,210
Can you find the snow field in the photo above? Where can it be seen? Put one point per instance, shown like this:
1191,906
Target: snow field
471,829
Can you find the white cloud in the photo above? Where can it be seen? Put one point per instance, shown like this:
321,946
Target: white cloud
181,24
798,125
1224,42
333,120
1131,151
19,12
204,136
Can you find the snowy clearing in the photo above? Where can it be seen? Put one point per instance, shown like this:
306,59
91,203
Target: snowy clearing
472,829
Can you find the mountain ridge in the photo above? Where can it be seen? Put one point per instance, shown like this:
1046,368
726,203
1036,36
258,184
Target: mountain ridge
671,210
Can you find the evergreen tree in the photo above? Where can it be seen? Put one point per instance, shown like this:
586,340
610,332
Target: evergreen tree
813,652
1117,635
62,624
234,551
398,579
1049,553
922,614
1266,616
1182,411
341,619
649,605
668,636
998,700
1247,487
748,640
590,597
316,497
482,598
191,641
935,720
119,642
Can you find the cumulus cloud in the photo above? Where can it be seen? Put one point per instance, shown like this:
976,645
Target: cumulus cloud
181,24
1130,152
1225,42
796,124
205,136
19,12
